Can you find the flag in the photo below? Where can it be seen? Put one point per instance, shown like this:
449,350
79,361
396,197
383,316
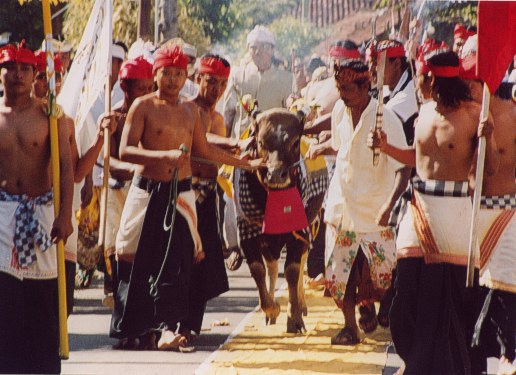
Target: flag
91,65
496,40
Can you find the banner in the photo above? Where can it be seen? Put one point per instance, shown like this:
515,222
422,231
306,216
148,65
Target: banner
91,65
496,40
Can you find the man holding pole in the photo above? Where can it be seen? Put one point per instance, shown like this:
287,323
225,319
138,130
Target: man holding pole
433,313
29,339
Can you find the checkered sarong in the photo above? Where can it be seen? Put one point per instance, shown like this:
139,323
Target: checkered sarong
439,188
28,231
309,184
504,202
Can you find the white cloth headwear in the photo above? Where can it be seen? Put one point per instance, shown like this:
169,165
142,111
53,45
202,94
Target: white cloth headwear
189,50
141,48
470,47
260,34
57,46
117,52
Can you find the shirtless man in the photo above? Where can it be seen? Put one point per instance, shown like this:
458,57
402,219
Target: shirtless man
157,125
432,314
210,274
29,339
496,221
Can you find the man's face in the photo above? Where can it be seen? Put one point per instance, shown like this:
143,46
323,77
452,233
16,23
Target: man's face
261,53
17,77
116,64
389,75
40,85
211,88
423,87
170,80
351,93
458,43
138,87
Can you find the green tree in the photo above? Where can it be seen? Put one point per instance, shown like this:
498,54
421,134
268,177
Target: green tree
23,21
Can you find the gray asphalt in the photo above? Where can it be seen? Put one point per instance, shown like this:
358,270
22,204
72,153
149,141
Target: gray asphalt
91,349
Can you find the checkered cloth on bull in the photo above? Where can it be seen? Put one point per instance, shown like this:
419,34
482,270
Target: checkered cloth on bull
310,183
28,232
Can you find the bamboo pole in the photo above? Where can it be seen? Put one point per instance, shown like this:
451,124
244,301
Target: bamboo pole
56,180
473,250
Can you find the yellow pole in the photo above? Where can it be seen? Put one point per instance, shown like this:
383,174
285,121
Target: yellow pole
56,183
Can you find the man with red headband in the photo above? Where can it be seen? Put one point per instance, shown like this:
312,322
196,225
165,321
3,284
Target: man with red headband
40,85
159,133
497,224
209,275
433,313
398,77
29,339
359,194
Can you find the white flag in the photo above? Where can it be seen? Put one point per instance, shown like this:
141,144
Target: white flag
91,65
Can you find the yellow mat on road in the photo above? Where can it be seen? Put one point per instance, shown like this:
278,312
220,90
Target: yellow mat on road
260,349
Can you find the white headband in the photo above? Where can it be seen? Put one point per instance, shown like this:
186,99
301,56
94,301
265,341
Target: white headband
260,34
117,52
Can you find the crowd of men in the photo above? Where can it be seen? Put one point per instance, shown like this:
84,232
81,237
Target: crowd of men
393,231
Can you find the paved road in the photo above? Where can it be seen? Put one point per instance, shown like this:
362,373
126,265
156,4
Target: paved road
90,346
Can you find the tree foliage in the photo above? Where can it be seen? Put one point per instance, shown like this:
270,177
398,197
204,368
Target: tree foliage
14,18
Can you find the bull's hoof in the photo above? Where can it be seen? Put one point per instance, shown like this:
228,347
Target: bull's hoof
295,325
271,314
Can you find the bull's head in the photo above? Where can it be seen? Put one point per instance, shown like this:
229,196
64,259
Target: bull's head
278,134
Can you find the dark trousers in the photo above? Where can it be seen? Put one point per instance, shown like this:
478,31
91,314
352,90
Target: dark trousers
70,284
29,326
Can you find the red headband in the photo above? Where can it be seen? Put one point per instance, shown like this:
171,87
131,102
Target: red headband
170,55
460,32
444,71
137,68
348,75
41,62
214,66
393,48
425,49
344,53
18,54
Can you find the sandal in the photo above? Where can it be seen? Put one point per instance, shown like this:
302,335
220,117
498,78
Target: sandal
368,321
346,336
235,259
316,282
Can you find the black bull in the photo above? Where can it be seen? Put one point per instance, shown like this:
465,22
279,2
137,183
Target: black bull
277,140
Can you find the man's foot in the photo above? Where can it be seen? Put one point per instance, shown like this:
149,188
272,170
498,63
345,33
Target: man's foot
367,321
126,344
346,336
235,259
316,282
505,367
171,341
147,341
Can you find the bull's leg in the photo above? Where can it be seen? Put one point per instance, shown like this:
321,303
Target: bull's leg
253,253
295,323
300,284
272,270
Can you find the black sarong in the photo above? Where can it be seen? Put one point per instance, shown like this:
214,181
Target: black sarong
29,326
209,278
432,317
136,311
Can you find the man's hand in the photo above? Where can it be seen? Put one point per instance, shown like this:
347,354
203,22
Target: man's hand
324,136
382,218
61,229
107,121
199,257
377,139
176,158
485,129
254,164
314,151
243,144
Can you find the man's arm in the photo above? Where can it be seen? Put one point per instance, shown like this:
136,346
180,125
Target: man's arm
404,156
62,227
201,148
400,184
131,136
316,150
492,161
319,124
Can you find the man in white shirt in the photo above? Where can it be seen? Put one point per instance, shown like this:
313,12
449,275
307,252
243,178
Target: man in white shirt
361,197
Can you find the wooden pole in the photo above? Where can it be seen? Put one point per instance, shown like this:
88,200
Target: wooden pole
473,251
56,180
380,71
